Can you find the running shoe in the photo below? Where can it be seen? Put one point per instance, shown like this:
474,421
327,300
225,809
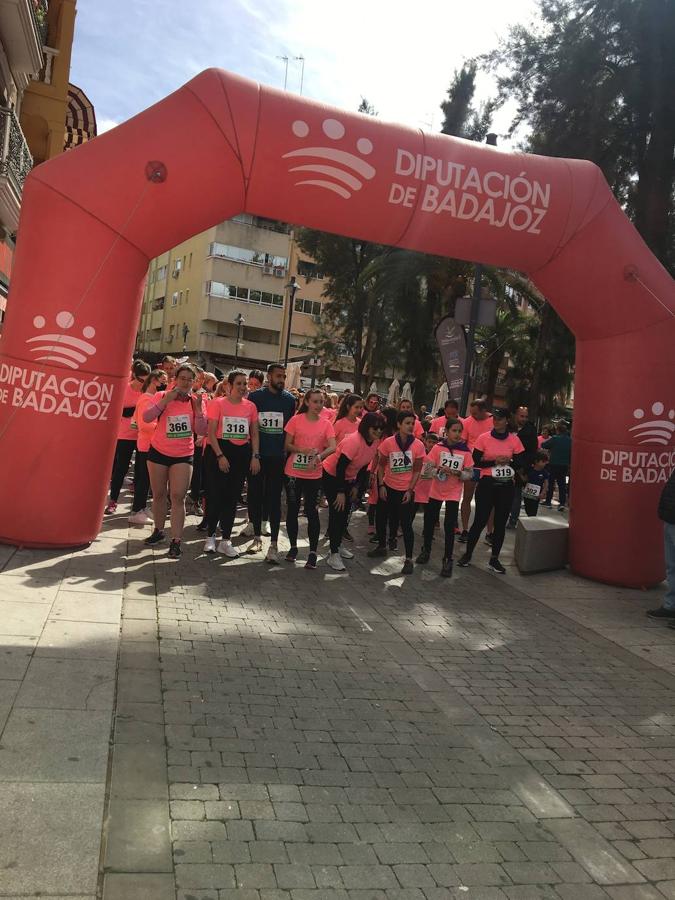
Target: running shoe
488,539
174,550
423,558
346,553
380,550
210,544
228,549
661,613
272,556
446,568
374,539
510,526
335,562
248,530
547,505
561,509
464,561
155,537
110,508
256,546
266,529
495,566
203,525
347,536
138,518
393,544
292,555
464,537
311,561
408,567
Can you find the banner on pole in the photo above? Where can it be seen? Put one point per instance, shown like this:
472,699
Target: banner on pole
451,341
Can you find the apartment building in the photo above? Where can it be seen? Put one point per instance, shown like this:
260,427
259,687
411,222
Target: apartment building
222,297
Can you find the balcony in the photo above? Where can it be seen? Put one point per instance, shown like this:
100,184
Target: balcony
223,345
256,315
23,25
15,164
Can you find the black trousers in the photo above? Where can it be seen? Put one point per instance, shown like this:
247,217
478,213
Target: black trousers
264,495
531,506
559,476
394,513
298,489
196,482
337,518
490,495
227,487
123,453
141,481
432,511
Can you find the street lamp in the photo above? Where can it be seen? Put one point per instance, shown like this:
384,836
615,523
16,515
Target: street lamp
293,288
239,319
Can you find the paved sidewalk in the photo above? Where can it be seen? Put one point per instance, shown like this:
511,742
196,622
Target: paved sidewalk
283,734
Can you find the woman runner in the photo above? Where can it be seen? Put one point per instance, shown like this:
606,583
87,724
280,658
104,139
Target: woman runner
348,416
126,434
156,381
179,415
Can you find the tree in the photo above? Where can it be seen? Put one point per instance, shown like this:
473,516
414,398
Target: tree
460,117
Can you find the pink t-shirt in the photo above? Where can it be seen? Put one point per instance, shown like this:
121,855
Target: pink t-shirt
125,431
438,425
540,440
473,429
425,481
398,468
143,430
308,435
328,413
234,419
451,487
492,448
355,448
343,427
173,435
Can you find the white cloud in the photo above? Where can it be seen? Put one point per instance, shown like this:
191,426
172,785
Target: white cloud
104,125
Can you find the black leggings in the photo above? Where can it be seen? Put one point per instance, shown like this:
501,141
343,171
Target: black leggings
337,518
141,481
123,453
432,511
264,495
558,475
396,512
491,495
296,490
197,480
227,487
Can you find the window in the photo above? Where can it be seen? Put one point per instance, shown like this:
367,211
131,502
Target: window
235,292
309,307
187,295
160,274
308,269
190,263
180,298
249,257
158,303
174,298
172,332
177,267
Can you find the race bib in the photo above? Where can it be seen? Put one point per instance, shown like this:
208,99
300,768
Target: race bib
399,463
453,461
178,426
271,422
235,428
532,491
303,461
502,473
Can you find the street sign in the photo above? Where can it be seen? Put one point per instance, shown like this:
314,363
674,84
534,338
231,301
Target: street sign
314,361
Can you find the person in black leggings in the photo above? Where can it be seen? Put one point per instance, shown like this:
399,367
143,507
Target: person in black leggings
126,440
497,454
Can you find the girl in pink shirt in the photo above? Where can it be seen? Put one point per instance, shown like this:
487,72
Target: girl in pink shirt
341,471
400,463
406,406
453,464
156,381
348,416
309,440
498,454
234,439
179,415
126,435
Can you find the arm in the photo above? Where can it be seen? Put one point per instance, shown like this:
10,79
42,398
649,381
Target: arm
481,463
255,446
212,432
340,477
329,449
416,472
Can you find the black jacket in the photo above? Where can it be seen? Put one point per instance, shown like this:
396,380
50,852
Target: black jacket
528,438
667,502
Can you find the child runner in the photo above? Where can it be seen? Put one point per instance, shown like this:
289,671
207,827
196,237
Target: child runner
309,440
234,440
453,464
179,416
156,381
534,482
496,453
341,473
400,463
478,422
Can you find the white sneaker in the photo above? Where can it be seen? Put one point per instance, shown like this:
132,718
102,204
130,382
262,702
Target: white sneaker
139,518
248,530
335,562
210,544
345,553
272,555
228,549
256,546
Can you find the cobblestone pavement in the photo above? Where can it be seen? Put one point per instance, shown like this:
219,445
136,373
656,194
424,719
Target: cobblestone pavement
284,734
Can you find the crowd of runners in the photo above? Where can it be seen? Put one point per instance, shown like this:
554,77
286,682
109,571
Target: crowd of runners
204,443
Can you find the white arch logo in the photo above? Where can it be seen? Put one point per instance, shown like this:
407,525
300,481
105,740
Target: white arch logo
60,347
656,431
342,171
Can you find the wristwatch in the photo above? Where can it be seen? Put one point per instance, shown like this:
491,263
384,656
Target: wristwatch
256,456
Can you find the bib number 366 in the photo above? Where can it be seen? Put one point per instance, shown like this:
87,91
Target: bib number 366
178,426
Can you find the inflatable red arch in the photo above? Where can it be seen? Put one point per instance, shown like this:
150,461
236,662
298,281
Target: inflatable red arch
222,145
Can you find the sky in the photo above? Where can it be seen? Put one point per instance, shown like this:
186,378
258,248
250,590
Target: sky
400,55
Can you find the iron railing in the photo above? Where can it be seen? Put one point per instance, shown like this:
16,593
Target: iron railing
15,159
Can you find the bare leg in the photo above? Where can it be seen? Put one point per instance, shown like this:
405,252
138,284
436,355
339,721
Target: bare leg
158,481
179,482
469,489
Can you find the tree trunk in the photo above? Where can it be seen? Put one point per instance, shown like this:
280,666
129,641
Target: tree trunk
492,375
543,347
